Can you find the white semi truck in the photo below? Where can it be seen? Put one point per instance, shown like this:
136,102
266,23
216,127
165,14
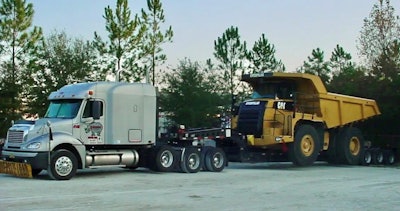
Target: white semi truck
97,124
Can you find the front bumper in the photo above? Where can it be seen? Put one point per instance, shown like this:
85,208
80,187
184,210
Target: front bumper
38,160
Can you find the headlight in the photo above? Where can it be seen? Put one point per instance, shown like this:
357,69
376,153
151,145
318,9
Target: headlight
35,145
278,139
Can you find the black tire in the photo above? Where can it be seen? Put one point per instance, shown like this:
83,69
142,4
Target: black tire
306,146
377,156
191,160
332,157
350,146
63,165
366,158
389,157
215,160
36,172
164,159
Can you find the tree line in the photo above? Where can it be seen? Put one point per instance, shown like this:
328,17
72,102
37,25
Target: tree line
33,65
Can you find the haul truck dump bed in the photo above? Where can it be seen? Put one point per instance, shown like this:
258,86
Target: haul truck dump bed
340,110
335,109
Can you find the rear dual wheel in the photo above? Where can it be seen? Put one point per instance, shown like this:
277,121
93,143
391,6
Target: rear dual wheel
346,147
215,160
389,157
164,159
377,156
191,160
366,158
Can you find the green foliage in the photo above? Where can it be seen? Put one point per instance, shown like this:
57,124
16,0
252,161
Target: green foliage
60,61
348,81
122,51
18,41
230,51
317,66
386,73
379,31
191,95
379,45
262,57
154,37
340,60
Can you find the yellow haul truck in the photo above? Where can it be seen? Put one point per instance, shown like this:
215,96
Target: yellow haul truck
291,116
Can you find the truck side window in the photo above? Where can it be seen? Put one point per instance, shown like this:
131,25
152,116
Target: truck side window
88,112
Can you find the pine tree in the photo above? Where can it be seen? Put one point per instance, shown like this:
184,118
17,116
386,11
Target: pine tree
231,52
123,49
317,66
154,37
262,57
18,40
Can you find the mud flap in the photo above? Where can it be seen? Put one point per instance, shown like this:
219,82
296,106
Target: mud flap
16,169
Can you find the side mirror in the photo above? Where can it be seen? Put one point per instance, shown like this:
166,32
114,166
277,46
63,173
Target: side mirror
96,109
88,120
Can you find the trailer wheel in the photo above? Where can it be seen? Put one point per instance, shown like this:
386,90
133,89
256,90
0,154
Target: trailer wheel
350,146
165,158
306,146
191,160
389,157
63,165
377,156
215,160
366,158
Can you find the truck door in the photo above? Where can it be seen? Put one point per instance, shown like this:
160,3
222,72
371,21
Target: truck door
92,129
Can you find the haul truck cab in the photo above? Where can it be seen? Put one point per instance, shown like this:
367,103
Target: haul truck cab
291,116
97,124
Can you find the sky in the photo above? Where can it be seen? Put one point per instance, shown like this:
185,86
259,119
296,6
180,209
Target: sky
294,27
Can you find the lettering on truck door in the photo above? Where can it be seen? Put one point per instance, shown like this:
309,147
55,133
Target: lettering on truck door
92,130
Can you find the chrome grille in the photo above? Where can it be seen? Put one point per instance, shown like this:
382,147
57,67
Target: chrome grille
15,136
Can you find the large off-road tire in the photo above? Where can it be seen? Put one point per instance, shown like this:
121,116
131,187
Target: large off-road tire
215,160
389,157
63,165
191,160
164,159
331,153
306,146
350,146
377,156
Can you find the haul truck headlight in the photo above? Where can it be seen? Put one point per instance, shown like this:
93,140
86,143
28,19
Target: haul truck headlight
35,145
278,139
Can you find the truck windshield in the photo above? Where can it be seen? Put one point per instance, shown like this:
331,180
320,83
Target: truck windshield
66,109
277,90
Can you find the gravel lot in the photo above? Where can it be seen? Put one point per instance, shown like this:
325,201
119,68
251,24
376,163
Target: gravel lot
278,186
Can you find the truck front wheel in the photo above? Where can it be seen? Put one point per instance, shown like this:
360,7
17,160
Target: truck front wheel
305,148
63,165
